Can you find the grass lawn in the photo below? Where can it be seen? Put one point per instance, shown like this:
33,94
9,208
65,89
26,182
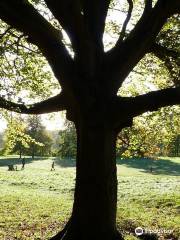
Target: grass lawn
35,203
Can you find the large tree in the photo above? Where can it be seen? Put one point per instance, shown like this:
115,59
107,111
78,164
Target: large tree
16,137
90,79
37,131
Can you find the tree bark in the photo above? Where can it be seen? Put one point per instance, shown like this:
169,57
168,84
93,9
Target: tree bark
95,198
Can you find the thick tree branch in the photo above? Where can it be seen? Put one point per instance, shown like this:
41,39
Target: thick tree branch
124,57
173,6
95,12
148,6
122,110
84,22
163,52
154,100
68,13
20,14
54,104
122,34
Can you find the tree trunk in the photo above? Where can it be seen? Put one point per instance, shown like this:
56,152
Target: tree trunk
95,198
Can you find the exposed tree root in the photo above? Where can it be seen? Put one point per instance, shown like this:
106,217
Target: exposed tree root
118,236
68,233
62,233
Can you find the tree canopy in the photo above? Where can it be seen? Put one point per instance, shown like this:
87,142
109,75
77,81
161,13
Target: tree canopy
85,25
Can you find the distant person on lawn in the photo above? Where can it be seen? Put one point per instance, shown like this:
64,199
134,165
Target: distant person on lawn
23,163
52,166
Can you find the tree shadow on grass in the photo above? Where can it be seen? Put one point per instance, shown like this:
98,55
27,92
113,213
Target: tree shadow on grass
5,161
65,162
158,167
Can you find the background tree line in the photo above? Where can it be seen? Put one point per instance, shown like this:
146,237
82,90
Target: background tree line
152,134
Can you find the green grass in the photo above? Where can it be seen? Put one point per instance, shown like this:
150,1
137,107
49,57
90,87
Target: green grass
36,203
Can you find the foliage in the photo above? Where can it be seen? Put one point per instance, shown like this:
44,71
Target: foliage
24,71
169,37
16,138
174,146
151,135
36,130
1,140
28,138
68,141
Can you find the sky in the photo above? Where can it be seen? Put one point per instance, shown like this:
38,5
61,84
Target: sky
2,125
56,122
52,122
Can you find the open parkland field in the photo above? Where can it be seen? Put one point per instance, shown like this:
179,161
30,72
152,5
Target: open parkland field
36,202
